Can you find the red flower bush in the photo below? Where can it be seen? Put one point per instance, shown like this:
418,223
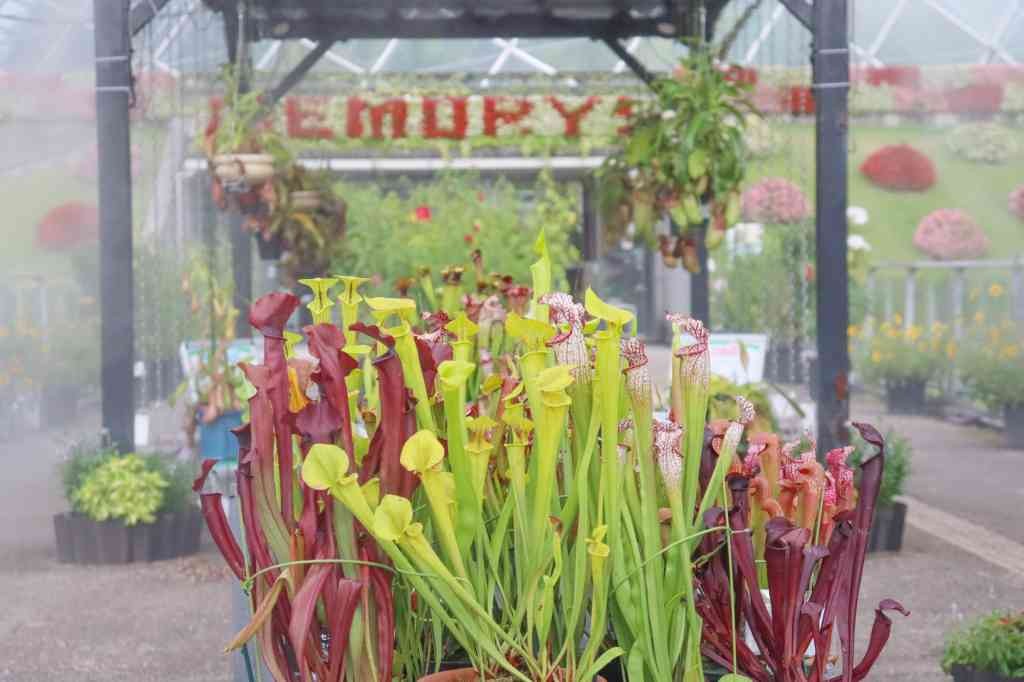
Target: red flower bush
798,100
950,234
899,167
1017,202
775,200
68,226
902,76
985,98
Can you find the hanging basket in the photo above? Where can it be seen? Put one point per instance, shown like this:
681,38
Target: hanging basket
243,171
305,200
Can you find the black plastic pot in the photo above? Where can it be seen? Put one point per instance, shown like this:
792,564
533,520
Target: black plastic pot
270,249
962,673
81,540
905,397
114,540
887,530
1014,417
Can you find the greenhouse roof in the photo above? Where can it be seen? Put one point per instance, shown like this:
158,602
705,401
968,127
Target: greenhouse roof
327,19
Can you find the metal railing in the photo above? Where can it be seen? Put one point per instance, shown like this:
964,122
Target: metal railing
943,300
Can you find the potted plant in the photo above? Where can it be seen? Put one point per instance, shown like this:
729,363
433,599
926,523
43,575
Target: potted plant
684,157
992,366
124,508
309,219
890,514
481,481
240,143
786,559
989,650
215,388
904,359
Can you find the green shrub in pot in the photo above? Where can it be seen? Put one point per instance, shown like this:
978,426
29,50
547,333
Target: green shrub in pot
121,488
993,644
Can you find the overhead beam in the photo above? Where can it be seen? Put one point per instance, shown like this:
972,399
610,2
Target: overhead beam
143,12
630,60
466,26
297,74
802,11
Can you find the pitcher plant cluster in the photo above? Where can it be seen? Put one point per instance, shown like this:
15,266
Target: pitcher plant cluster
486,480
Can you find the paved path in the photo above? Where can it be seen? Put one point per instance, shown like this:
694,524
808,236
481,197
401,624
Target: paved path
162,622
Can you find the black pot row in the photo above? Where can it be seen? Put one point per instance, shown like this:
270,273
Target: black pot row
80,540
962,673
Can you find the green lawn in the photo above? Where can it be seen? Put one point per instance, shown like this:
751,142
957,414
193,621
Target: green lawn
979,189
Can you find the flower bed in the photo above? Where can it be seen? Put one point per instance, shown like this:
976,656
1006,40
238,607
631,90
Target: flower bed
899,167
775,200
950,234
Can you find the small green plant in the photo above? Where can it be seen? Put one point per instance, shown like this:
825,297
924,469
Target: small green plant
82,460
897,464
122,488
898,353
994,643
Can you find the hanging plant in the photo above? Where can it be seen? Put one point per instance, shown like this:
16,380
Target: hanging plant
301,210
243,148
685,155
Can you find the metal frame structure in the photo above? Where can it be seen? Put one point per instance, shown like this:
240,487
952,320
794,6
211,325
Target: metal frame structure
117,21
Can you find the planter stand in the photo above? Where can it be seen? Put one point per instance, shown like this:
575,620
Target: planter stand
83,541
887,530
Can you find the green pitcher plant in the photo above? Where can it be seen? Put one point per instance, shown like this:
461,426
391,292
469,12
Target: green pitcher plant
487,482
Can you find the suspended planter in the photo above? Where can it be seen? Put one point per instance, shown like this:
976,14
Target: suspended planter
242,172
683,158
305,200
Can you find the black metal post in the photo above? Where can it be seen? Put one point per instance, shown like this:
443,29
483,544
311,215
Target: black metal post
831,67
113,139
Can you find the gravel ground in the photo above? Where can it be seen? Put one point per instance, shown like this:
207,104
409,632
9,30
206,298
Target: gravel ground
167,621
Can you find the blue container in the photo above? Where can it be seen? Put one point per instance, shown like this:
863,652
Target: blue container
215,438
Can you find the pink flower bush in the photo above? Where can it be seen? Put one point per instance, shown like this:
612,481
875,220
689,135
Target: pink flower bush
950,234
775,200
1016,203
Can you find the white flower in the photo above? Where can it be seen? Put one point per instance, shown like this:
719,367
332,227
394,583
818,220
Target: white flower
711,265
857,215
668,115
633,173
856,242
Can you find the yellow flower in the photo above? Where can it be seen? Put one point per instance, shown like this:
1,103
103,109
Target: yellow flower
853,331
897,319
979,317
951,350
914,332
1011,352
876,357
996,290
